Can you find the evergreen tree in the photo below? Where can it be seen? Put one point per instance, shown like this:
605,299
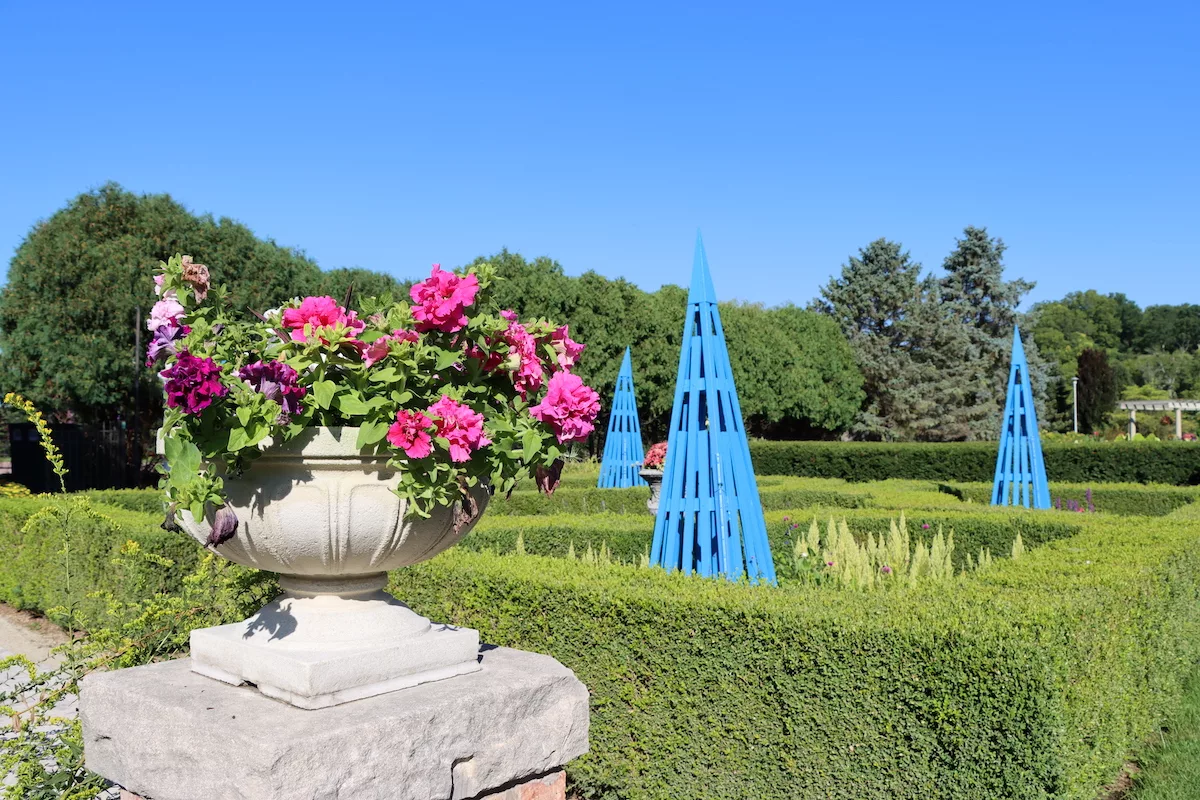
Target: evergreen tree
977,297
1097,392
890,316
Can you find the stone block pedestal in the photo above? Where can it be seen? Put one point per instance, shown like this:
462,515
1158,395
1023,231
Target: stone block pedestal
163,732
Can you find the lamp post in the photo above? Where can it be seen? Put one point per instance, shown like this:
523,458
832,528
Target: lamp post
1075,403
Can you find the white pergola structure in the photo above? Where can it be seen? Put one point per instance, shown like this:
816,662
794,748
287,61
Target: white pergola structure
1178,406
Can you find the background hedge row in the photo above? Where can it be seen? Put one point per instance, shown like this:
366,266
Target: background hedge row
1175,463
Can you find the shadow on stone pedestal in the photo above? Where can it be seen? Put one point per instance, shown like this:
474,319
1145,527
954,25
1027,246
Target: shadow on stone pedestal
164,732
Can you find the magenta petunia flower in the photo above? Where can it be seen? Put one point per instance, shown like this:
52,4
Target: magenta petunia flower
566,348
378,349
569,407
440,301
192,384
460,426
320,312
276,381
523,361
410,433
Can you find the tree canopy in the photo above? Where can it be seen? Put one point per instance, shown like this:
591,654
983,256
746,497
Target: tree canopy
795,372
68,313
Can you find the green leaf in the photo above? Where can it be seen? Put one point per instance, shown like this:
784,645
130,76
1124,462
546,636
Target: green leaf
324,390
238,439
447,359
243,415
370,433
531,441
351,405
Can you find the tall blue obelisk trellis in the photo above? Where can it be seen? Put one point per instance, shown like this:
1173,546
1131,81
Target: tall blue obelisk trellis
623,445
710,520
1020,466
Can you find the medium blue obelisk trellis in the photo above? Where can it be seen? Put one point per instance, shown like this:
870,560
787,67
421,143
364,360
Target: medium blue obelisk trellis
623,445
1020,466
710,520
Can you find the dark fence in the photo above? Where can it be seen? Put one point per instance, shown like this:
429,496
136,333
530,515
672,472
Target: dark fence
97,457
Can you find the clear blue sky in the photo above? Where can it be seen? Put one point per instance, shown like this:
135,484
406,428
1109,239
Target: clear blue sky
390,136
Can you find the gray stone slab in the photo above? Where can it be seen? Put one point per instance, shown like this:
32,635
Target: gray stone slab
167,733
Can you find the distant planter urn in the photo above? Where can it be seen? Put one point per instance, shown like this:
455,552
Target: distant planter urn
653,477
322,515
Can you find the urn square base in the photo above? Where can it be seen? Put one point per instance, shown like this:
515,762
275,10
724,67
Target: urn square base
310,678
162,731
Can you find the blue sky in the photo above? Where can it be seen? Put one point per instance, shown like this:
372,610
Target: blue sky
390,136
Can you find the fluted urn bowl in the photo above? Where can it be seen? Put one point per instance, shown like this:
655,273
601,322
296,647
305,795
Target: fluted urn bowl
316,507
323,515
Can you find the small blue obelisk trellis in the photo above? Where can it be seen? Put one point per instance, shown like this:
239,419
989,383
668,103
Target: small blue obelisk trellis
623,445
1020,466
710,520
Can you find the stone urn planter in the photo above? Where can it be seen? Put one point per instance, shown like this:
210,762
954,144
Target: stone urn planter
654,478
322,515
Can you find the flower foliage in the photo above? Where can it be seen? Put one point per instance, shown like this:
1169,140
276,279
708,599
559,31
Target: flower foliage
454,390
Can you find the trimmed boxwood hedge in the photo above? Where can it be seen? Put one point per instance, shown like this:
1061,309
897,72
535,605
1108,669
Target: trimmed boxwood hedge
1031,680
1107,498
628,536
633,500
1174,463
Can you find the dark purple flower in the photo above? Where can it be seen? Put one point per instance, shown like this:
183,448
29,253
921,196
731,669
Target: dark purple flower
193,383
225,525
163,342
276,381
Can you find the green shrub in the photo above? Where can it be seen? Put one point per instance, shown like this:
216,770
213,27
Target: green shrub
34,557
1174,463
147,501
1001,684
633,500
1108,498
629,536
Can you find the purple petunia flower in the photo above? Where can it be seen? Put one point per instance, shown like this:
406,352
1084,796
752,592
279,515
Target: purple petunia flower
277,381
164,341
193,383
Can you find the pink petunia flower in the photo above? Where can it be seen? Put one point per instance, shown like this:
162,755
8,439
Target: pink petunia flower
566,348
523,360
440,301
379,349
320,312
509,315
410,433
460,426
193,383
569,407
167,311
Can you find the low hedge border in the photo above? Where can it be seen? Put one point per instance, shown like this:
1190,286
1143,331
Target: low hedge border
628,536
1108,498
1173,463
1001,684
